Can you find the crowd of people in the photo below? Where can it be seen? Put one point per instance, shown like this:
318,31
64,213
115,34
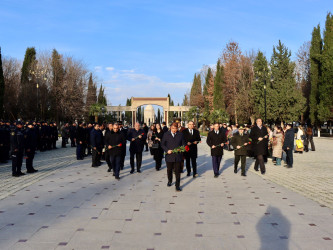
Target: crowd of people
176,144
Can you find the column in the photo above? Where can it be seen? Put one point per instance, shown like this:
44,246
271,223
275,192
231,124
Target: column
166,117
133,118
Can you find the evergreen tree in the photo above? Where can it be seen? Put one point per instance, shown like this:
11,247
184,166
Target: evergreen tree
286,102
91,94
57,88
158,115
196,97
2,87
28,63
186,101
261,73
101,99
315,72
218,100
128,114
325,108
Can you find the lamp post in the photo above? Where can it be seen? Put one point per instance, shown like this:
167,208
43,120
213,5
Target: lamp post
265,100
38,74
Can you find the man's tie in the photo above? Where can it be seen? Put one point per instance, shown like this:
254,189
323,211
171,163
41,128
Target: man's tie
191,131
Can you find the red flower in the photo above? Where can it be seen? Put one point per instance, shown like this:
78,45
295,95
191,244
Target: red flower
120,144
142,133
187,148
249,142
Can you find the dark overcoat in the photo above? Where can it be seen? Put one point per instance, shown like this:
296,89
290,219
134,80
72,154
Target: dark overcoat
288,139
169,143
137,145
216,139
188,137
259,148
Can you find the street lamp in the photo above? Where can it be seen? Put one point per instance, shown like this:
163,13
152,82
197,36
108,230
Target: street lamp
257,79
38,74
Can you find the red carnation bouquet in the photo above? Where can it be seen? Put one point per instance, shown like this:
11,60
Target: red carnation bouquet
119,145
180,149
244,145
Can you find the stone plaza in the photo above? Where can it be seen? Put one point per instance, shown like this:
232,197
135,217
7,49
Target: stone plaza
70,205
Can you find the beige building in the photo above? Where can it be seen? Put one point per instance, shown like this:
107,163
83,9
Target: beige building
149,115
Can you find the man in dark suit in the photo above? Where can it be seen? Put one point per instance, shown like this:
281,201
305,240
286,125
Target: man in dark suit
30,147
171,140
240,142
192,138
112,140
97,143
215,141
288,145
145,130
124,131
259,136
137,137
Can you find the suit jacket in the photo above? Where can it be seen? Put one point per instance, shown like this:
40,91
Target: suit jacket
165,129
238,140
188,137
113,139
124,131
169,143
288,140
137,145
216,139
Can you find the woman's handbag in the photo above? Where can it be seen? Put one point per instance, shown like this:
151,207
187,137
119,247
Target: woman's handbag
155,146
299,144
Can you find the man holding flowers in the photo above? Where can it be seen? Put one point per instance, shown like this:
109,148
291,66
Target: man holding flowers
240,142
173,145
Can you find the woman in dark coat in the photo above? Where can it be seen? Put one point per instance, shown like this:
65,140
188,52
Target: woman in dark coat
158,152
259,136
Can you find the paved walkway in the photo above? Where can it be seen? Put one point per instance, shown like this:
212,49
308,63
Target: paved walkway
79,207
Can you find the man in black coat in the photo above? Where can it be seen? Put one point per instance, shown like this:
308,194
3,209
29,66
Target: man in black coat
145,129
288,145
17,148
124,131
240,142
72,133
137,137
192,138
216,140
97,143
259,136
164,127
30,140
114,141
171,140
80,140
108,131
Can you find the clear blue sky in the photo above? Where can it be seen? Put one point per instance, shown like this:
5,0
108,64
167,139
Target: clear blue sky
151,47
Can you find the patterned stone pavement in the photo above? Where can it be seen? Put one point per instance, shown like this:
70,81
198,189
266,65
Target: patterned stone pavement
74,206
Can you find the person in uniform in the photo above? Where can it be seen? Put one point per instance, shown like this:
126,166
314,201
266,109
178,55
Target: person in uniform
108,131
30,147
54,135
259,136
17,149
97,143
137,137
64,135
171,140
114,142
192,138
240,142
216,140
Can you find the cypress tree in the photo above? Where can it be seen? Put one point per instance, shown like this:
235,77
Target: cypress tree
325,107
196,98
218,100
91,94
260,68
58,75
101,99
28,63
2,87
315,72
286,101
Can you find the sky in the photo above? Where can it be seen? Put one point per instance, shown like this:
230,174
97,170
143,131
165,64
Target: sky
149,48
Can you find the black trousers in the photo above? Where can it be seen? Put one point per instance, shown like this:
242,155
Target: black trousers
29,160
191,159
17,159
242,158
107,158
261,163
122,160
174,166
63,143
158,156
72,142
138,157
115,162
79,151
96,157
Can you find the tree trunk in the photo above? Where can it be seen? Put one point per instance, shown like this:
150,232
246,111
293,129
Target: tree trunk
96,118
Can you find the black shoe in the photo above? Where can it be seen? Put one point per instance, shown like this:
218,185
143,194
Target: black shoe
139,171
117,178
243,174
20,173
16,175
263,172
113,174
288,166
93,166
122,168
235,171
132,171
195,175
157,169
169,184
188,174
178,189
32,171
109,170
216,175
256,169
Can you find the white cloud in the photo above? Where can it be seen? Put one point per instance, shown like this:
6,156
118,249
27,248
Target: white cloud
127,70
98,68
109,68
